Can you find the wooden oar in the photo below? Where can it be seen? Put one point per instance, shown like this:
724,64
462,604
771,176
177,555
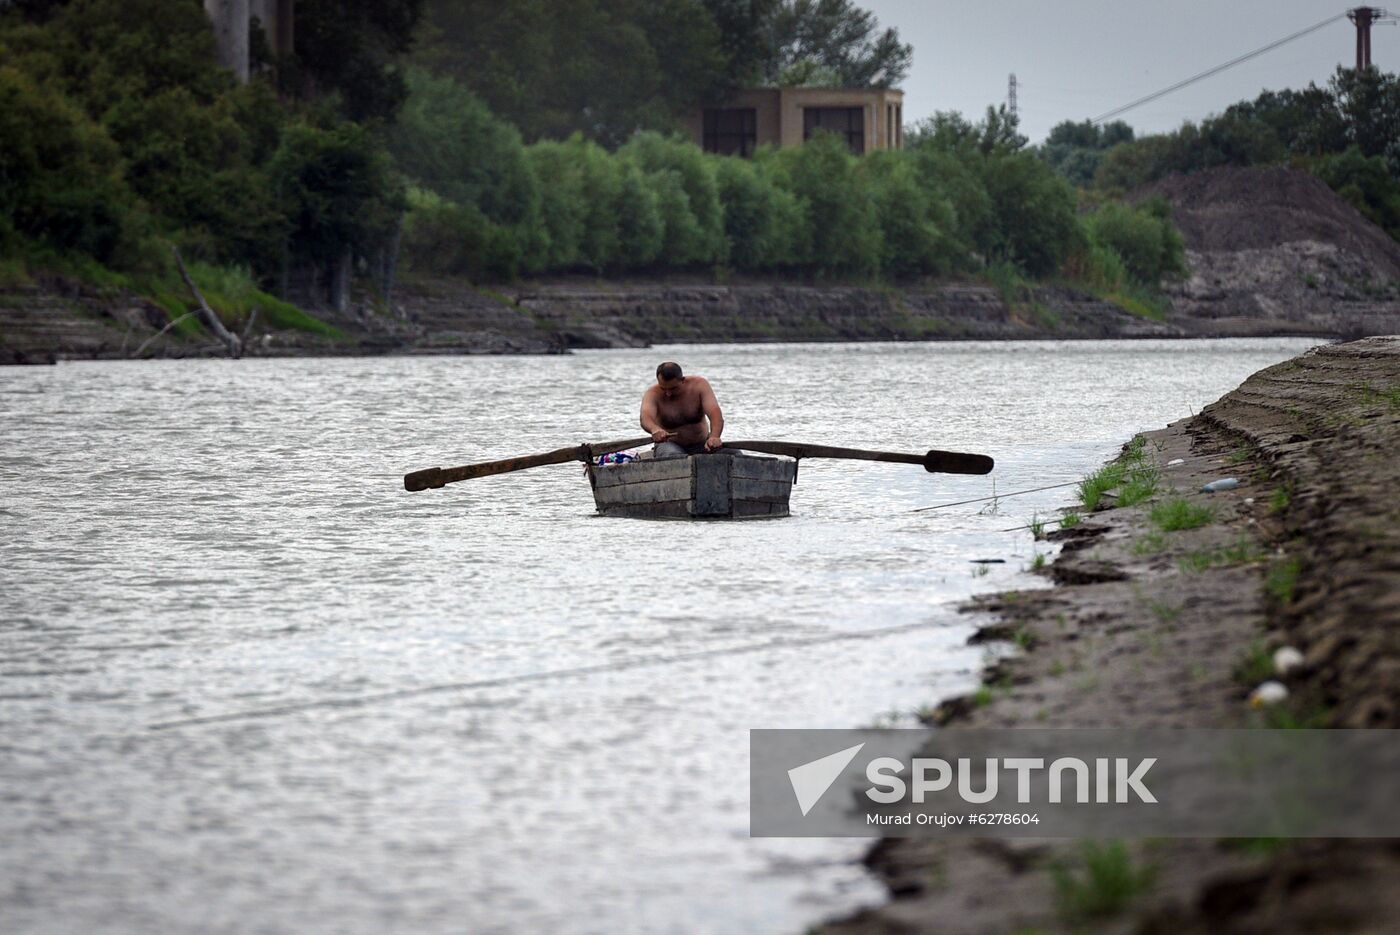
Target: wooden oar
437,477
945,462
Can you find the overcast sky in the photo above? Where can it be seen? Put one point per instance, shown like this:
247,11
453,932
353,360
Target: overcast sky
1076,59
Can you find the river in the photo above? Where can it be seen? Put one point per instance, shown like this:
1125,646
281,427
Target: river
248,683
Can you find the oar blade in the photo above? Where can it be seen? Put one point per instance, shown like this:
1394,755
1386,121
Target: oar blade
426,479
957,462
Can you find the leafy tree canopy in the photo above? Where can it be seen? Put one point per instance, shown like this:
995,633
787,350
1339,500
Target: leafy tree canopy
836,40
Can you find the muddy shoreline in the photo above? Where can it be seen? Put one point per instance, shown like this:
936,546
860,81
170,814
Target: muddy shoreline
54,319
1152,626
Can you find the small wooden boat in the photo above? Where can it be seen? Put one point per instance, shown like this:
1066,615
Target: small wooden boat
718,485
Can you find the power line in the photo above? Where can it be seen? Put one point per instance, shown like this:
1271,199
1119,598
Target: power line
1218,68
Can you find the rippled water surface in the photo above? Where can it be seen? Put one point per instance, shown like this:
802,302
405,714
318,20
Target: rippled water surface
483,708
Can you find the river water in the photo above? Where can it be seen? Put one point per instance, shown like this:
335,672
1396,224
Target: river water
248,683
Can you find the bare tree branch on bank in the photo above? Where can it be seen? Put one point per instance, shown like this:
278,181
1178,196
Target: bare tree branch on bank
136,354
206,314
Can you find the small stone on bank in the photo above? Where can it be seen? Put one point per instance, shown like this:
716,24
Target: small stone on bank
1269,693
1286,659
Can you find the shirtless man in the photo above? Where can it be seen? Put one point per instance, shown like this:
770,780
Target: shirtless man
681,413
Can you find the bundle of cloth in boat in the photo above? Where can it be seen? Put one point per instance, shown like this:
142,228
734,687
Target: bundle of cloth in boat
618,457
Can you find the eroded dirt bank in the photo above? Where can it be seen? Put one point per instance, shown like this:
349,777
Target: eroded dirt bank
44,321
1157,626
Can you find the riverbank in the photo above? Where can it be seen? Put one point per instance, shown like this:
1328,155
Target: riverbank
1168,613
53,318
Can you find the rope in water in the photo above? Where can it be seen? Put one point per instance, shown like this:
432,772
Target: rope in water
998,496
358,701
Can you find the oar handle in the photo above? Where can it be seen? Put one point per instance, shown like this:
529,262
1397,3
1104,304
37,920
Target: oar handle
432,478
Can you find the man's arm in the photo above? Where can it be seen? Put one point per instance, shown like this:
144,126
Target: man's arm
713,413
651,419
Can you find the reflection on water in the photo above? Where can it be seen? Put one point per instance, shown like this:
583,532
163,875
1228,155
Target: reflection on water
482,708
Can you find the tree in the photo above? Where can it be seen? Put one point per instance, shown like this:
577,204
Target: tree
1143,237
1035,212
742,30
448,141
352,48
605,68
59,173
338,188
1075,150
840,211
839,37
912,219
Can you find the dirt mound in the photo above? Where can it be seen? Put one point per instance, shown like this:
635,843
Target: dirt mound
1275,251
1243,209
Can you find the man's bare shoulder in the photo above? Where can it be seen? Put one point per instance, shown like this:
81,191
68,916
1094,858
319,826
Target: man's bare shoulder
700,383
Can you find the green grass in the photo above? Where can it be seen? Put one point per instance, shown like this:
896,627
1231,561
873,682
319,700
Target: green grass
1138,481
1144,303
982,697
1390,395
1150,544
1102,883
13,272
1093,487
1140,485
1038,562
1177,514
1162,610
1006,279
1242,551
1282,580
1037,527
1280,500
1282,717
1070,519
1257,665
230,291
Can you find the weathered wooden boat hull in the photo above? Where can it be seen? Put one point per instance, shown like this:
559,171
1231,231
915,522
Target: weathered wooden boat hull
721,485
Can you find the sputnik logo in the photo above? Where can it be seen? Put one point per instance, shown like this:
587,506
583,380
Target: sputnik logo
811,780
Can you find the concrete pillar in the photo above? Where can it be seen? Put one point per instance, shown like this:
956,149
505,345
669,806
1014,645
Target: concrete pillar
230,21
276,19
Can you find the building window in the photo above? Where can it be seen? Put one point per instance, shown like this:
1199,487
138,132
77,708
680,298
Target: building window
731,131
847,122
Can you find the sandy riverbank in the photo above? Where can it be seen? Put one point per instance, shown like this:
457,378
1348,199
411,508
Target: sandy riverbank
1151,627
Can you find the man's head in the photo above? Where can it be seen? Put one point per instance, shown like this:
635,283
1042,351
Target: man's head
669,377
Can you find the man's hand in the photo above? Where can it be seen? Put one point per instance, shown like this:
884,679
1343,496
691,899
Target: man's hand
660,435
713,443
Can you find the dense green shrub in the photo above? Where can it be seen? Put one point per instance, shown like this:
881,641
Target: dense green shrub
60,175
764,224
441,236
1144,239
337,189
562,205
1035,213
1366,183
912,219
449,142
640,227
655,153
841,216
